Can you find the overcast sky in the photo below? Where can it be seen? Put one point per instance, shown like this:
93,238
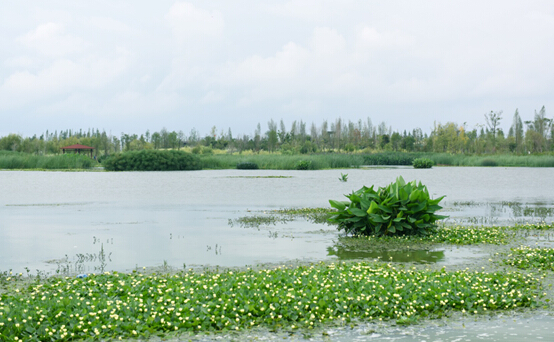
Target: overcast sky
130,65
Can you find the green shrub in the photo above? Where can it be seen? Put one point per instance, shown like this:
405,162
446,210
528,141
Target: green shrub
489,162
152,160
422,163
247,166
207,150
389,158
304,165
197,149
399,209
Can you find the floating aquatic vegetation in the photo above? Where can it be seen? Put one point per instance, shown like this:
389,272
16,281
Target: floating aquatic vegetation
113,305
525,257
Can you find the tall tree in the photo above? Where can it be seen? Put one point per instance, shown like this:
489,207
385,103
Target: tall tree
517,131
493,122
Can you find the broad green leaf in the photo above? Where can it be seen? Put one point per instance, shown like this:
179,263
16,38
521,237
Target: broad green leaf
372,207
414,196
357,212
385,209
337,204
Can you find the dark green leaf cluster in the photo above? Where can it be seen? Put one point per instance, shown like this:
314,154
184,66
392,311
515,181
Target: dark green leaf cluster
304,165
399,209
422,163
247,166
489,162
389,158
152,160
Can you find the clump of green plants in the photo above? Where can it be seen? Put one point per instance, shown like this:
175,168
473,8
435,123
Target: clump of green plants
399,209
315,215
525,257
115,305
422,163
455,235
343,177
304,165
489,162
459,235
152,160
247,166
535,226
17,160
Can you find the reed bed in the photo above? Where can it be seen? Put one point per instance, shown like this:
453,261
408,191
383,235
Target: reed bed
16,160
284,162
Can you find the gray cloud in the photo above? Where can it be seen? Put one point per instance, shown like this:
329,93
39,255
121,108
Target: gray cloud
133,65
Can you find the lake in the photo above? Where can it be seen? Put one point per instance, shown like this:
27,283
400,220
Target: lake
145,219
85,222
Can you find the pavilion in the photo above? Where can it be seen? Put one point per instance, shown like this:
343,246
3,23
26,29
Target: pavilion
78,148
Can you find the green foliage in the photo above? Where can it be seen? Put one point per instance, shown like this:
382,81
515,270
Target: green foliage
525,257
343,177
390,158
399,209
422,163
488,162
17,160
137,306
152,160
197,149
247,166
304,165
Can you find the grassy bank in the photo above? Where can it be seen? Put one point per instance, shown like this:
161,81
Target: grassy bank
276,161
16,160
492,160
343,160
114,305
284,162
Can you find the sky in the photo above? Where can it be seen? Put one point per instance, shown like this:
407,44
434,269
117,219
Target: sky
133,65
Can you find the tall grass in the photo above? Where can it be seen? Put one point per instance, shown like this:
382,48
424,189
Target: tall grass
492,160
283,162
339,160
16,160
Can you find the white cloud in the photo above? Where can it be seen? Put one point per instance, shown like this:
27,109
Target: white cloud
109,24
188,21
287,64
63,76
51,40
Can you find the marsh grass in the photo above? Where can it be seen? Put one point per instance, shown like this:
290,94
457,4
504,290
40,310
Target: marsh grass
491,160
135,305
283,162
19,161
314,215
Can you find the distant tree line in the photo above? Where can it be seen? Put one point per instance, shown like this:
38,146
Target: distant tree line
532,136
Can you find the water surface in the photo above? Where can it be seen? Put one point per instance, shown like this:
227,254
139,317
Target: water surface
144,219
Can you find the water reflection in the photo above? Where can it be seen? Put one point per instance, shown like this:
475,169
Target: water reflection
498,213
84,262
418,256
